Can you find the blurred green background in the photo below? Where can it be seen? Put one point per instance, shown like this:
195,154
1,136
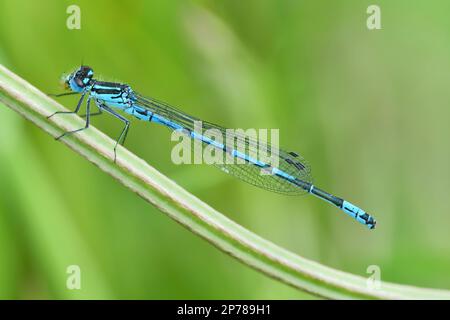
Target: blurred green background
368,109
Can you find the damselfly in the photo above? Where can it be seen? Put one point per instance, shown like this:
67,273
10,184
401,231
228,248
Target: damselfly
290,176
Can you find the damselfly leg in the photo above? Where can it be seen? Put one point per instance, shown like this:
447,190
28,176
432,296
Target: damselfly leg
68,112
88,118
124,133
62,94
99,112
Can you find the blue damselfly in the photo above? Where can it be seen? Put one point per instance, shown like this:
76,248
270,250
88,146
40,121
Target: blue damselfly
290,176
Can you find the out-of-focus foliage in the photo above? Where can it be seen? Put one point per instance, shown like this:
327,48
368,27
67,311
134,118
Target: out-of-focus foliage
368,109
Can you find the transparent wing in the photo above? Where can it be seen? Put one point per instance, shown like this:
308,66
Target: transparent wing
288,162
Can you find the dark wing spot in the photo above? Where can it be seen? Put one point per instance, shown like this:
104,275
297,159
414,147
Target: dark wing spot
292,153
296,164
299,165
289,161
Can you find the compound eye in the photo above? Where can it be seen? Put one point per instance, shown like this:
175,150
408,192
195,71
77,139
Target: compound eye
79,82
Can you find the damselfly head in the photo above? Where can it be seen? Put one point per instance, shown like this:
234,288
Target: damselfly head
79,79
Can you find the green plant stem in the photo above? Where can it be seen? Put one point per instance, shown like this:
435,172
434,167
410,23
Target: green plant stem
191,212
